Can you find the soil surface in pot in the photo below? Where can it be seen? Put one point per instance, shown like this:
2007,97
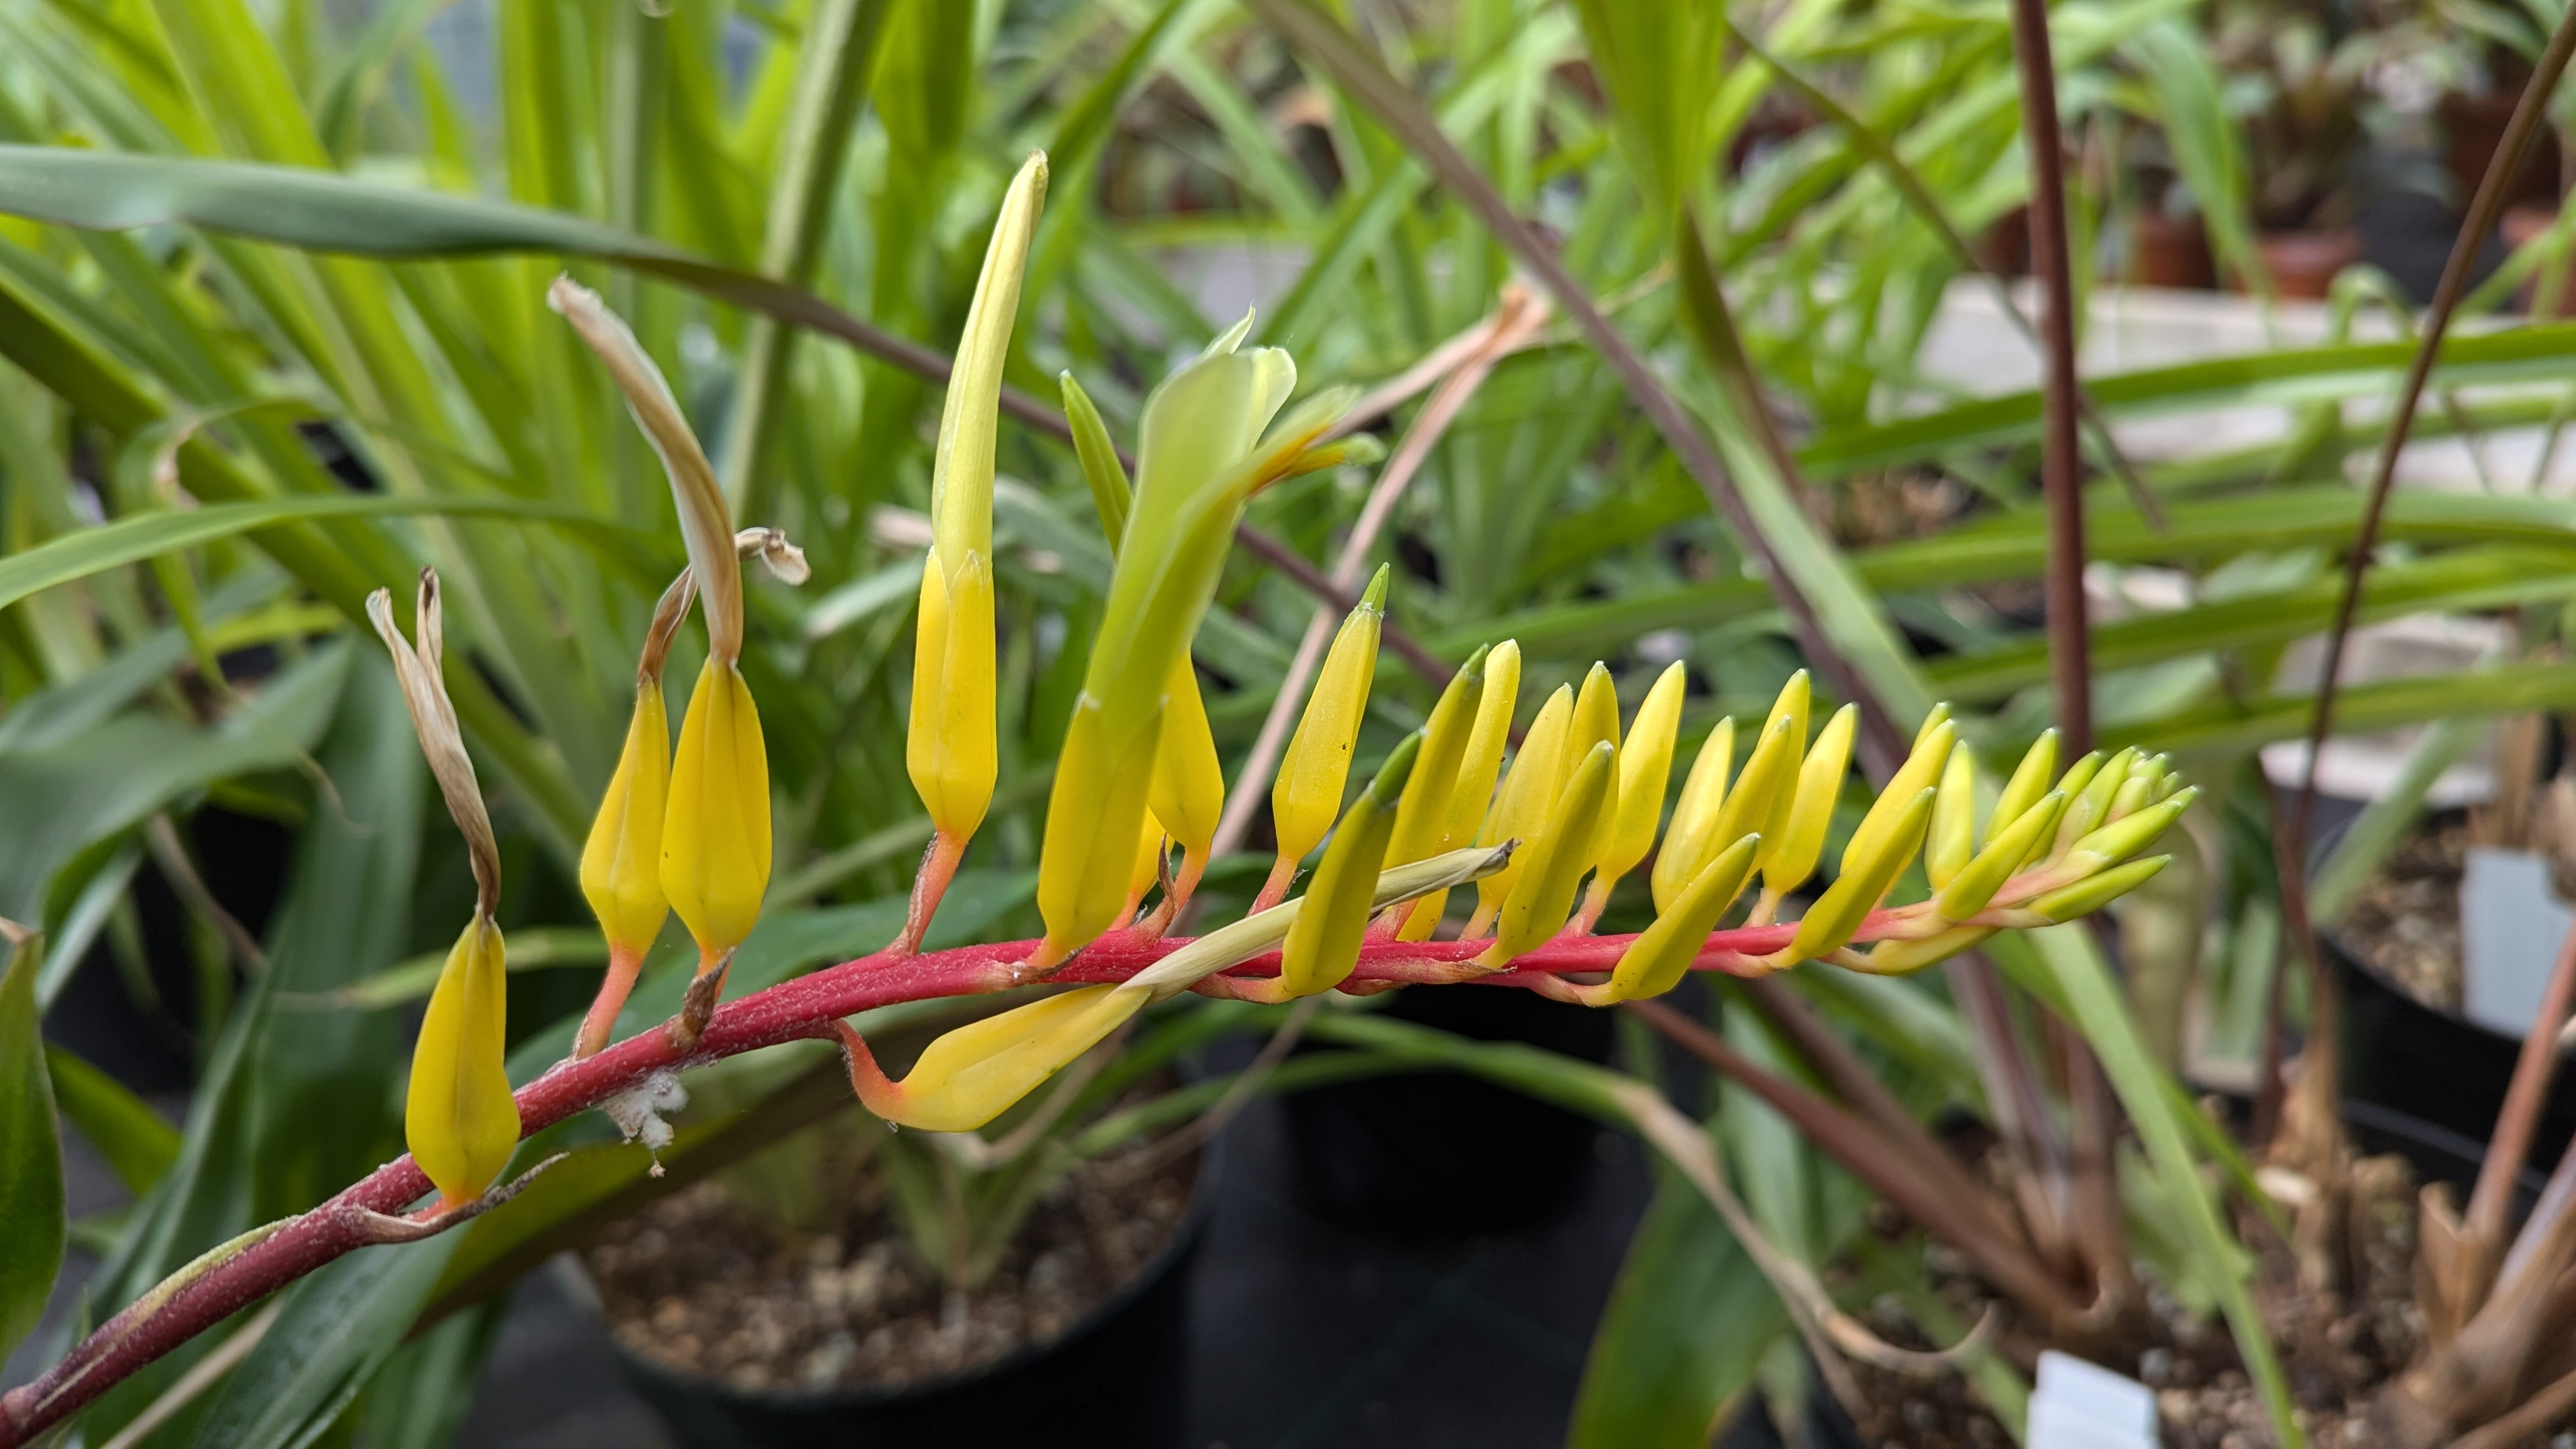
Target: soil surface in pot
702,1287
2404,921
2338,1348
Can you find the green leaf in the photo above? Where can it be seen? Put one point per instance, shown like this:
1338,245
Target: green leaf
338,1327
138,1145
1687,1325
31,1156
131,540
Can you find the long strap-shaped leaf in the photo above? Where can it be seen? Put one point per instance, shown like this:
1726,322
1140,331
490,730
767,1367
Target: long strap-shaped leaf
131,540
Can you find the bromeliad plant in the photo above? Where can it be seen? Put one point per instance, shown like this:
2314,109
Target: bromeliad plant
1582,798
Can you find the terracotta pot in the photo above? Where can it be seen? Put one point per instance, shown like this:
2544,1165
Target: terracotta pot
2472,128
2168,251
2526,222
2304,263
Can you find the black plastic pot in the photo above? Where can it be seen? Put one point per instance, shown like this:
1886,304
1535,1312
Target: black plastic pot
2435,1066
1119,1377
1441,1154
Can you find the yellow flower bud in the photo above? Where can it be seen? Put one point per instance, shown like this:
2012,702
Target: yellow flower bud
1596,722
1422,815
2030,780
621,863
458,1116
1865,880
1645,764
2095,892
1324,941
1544,893
1477,769
973,1074
1953,841
1529,792
1919,772
950,749
1686,840
1312,771
2125,837
1985,873
1811,808
1903,958
1653,963
715,831
1188,793
1769,776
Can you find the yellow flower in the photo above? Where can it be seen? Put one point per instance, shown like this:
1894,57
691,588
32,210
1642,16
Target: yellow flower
1645,764
715,832
1811,809
950,750
1528,793
1477,769
621,863
1694,816
1544,893
1324,941
458,1115
1317,763
1653,963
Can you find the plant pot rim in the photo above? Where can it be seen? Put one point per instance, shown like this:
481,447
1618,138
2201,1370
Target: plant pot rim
2330,941
1182,1239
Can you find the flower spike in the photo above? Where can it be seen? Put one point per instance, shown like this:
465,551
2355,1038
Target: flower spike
458,1116
1313,769
1865,881
1324,941
951,747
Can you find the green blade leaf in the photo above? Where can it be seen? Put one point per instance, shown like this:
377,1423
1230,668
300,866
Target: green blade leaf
138,1145
31,1157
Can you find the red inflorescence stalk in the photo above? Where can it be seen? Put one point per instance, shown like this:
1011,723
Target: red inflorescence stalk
795,1010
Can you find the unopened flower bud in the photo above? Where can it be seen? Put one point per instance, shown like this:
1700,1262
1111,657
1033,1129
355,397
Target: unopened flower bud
1653,964
1316,765
1543,895
1324,941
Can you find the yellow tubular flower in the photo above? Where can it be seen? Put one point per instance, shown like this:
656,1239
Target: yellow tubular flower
1985,873
715,833
1596,722
971,1075
1790,708
1197,465
1317,763
1654,963
1529,792
1865,880
1324,941
1919,772
458,1116
950,748
1694,815
1811,809
2095,892
1188,792
621,863
1477,770
2030,780
1953,840
1645,764
1902,958
1769,774
1422,815
1544,895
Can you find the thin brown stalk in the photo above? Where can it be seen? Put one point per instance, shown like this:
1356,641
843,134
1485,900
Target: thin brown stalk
2070,668
2001,1259
1358,71
2041,1176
